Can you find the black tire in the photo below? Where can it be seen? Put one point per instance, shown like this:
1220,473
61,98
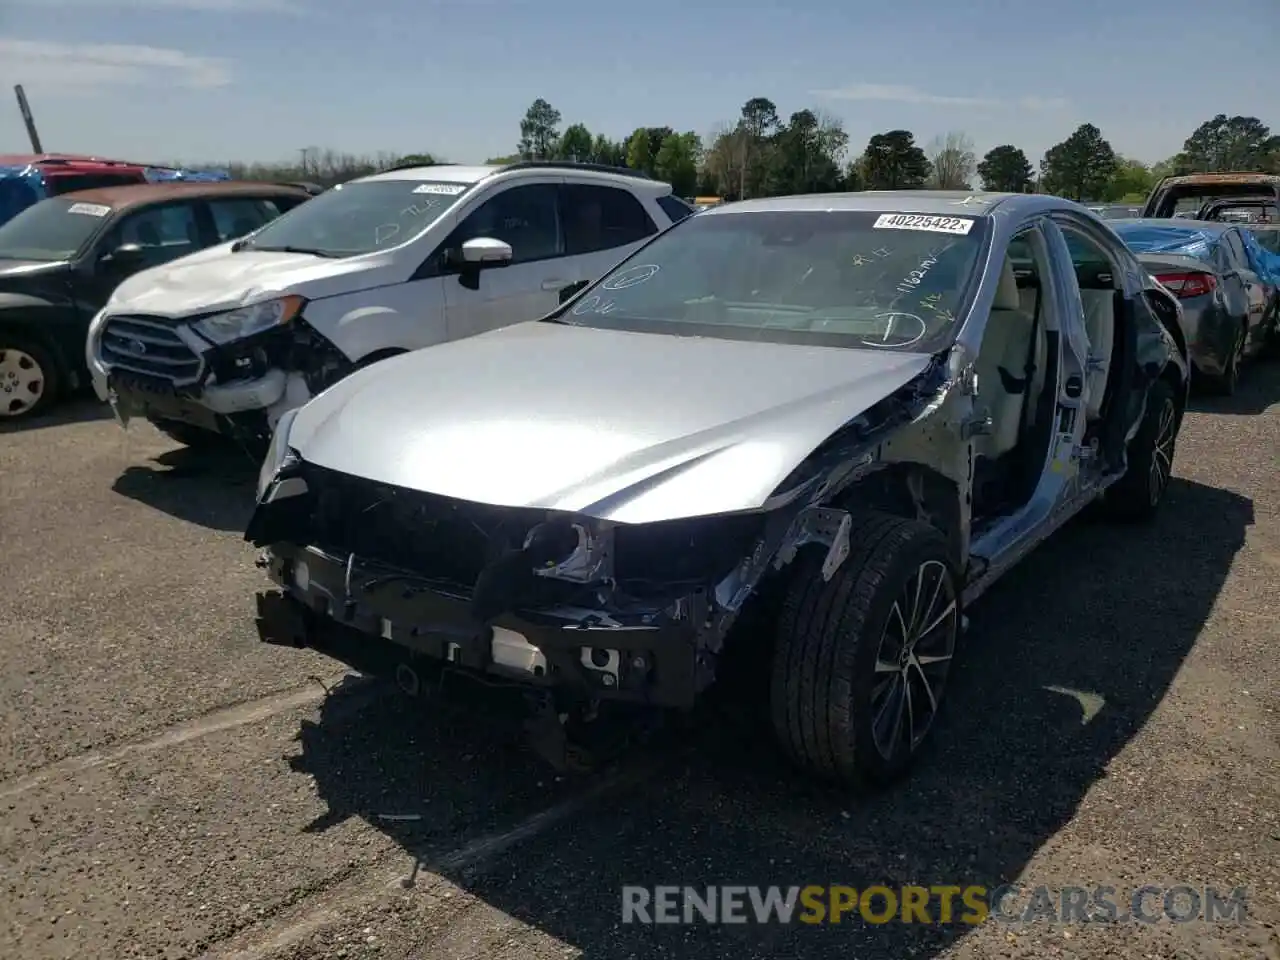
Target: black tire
1138,494
25,363
826,693
1226,383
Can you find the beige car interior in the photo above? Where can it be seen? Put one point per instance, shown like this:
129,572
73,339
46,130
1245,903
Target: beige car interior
1012,339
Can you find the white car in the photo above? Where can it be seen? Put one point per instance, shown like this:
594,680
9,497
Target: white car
228,339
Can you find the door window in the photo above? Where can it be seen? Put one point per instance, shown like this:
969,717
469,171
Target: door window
233,217
164,232
602,218
1235,248
525,217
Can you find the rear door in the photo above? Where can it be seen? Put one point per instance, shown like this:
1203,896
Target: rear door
602,225
164,232
234,217
1254,291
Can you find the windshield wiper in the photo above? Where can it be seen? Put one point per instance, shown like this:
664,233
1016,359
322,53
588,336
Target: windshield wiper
291,249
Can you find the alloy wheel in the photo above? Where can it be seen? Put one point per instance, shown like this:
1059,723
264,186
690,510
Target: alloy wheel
22,382
913,660
1162,456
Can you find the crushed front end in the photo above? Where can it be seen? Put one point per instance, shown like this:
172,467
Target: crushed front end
403,583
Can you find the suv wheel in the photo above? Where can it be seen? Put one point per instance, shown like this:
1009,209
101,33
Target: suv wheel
862,661
29,379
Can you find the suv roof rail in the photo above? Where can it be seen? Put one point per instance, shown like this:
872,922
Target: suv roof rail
573,165
415,165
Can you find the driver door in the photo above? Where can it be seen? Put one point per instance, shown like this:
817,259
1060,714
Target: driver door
526,217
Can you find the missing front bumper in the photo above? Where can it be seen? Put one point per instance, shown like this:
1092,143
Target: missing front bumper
377,623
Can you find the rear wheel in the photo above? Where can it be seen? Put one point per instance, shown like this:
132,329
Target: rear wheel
1226,383
1139,493
862,661
29,378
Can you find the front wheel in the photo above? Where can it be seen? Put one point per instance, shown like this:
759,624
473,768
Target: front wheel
1138,494
29,379
861,662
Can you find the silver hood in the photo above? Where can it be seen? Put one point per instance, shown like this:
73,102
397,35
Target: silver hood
624,426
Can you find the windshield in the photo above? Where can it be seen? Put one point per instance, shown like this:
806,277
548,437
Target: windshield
848,279
51,230
362,217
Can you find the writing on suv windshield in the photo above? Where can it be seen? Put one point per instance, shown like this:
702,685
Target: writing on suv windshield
828,278
356,218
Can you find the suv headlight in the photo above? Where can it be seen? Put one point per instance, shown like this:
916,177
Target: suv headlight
246,321
278,453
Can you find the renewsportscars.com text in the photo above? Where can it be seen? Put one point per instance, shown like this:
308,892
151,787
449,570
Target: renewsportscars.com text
939,904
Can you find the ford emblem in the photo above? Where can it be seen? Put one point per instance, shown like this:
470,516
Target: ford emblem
137,347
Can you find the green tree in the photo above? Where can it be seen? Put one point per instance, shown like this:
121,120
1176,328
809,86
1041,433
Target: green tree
677,161
418,160
1081,167
806,155
1225,143
757,125
639,155
1007,169
1132,181
892,161
539,131
576,144
609,152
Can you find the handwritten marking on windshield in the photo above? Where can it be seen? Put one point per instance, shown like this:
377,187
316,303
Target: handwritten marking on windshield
631,277
913,279
594,305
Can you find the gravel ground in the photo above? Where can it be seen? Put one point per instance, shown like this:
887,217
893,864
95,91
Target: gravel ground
171,788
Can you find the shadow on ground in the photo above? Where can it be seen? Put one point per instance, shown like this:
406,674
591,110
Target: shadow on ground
1108,611
211,486
76,410
1258,391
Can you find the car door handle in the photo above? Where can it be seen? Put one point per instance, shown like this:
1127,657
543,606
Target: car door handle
555,284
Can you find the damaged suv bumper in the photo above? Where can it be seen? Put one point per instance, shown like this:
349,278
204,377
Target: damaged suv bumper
382,622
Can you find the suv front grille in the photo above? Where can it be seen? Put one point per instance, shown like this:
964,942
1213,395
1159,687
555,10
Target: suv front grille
150,347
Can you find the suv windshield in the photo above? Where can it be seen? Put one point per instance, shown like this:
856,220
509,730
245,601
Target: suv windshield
361,217
848,279
51,230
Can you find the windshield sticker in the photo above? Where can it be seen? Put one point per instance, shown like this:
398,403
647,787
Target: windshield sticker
443,189
631,277
911,221
594,305
89,209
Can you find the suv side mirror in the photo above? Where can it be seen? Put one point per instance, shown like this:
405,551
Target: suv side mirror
476,254
124,257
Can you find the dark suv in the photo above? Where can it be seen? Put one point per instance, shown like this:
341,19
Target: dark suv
61,259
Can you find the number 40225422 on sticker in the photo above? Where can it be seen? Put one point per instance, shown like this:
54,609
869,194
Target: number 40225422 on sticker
911,221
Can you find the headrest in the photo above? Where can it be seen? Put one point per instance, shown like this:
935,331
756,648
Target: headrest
1007,292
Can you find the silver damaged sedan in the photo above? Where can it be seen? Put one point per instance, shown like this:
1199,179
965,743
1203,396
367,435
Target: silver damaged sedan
849,414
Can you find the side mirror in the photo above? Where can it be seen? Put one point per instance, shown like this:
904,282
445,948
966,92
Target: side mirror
123,257
486,252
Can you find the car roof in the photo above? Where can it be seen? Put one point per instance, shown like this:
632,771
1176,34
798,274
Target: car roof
1215,179
133,194
938,202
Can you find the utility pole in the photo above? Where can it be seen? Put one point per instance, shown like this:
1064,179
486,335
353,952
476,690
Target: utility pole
25,108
